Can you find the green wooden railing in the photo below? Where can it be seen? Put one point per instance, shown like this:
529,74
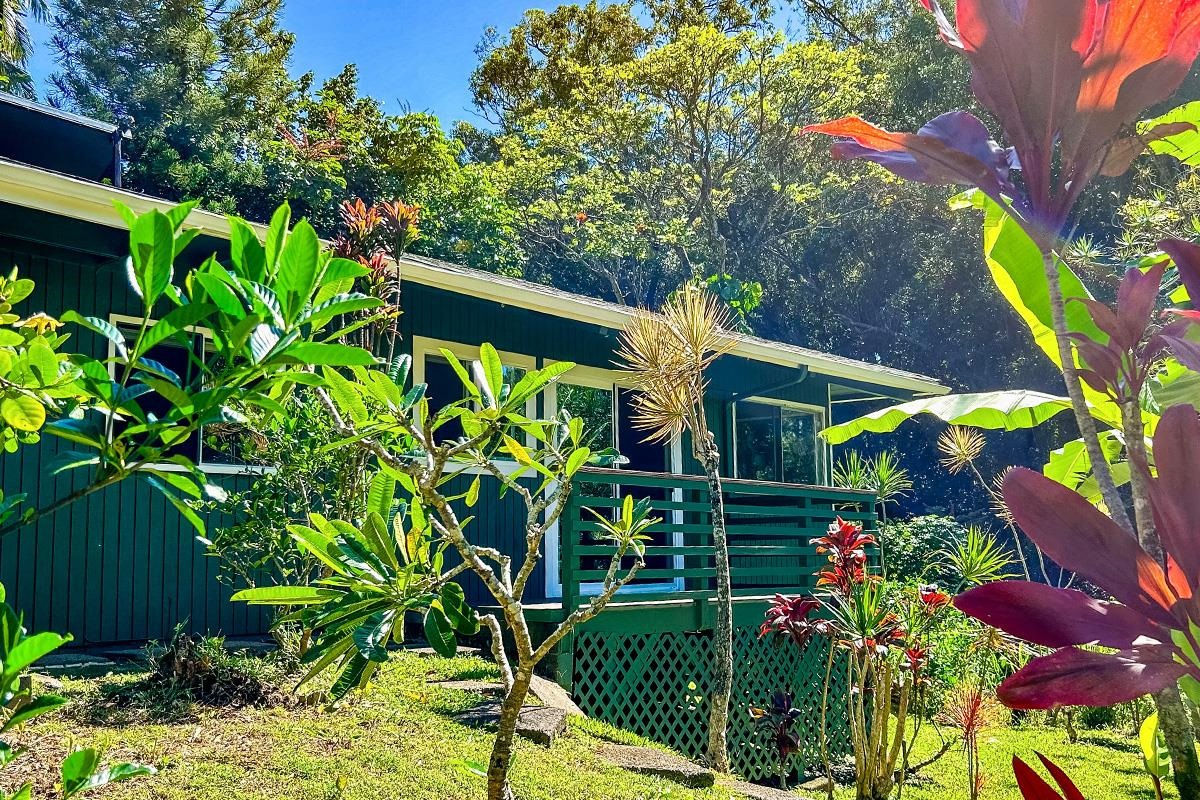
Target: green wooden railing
769,525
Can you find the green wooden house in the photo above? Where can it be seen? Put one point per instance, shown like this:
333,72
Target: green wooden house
123,566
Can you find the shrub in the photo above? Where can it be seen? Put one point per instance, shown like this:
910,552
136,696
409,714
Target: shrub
1098,717
912,548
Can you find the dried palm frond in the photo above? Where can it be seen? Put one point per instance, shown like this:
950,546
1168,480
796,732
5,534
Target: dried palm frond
999,506
960,446
666,355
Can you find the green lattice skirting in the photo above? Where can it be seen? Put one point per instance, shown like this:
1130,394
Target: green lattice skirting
655,684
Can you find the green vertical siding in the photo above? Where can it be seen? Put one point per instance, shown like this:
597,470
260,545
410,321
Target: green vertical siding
121,565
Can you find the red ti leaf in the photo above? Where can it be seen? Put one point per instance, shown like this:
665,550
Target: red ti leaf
1082,539
1187,262
1055,617
1175,494
953,148
1074,677
1069,790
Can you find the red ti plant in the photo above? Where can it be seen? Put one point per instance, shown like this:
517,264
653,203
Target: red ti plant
1035,787
1066,80
880,632
1154,624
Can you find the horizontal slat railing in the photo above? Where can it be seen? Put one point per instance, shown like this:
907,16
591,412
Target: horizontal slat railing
769,526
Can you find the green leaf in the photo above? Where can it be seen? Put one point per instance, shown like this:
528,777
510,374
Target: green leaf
1015,263
332,355
284,596
439,632
381,494
42,704
1156,759
277,233
1184,146
1005,410
473,493
320,545
10,338
493,368
461,372
576,460
152,255
81,771
100,326
23,412
246,251
462,618
298,265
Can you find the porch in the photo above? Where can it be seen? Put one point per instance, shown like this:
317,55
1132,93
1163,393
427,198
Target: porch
769,526
644,663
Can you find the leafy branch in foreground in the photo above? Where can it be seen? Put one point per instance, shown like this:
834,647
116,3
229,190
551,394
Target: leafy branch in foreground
403,568
248,333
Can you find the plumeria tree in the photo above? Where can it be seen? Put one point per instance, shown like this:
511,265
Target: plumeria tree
382,572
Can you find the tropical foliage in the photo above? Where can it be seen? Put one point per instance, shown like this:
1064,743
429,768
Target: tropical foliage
82,769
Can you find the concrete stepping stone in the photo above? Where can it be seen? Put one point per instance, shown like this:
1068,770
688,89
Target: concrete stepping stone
553,695
657,763
539,724
753,791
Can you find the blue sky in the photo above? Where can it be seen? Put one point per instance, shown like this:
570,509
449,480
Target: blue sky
408,52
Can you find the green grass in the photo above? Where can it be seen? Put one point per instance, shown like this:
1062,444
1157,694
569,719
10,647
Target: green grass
395,741
399,741
1105,764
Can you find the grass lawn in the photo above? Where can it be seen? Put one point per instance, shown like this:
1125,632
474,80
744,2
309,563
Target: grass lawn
1105,765
398,741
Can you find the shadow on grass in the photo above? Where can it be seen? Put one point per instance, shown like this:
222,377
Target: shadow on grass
1109,744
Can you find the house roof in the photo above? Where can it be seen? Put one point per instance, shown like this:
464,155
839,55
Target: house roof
50,138
71,197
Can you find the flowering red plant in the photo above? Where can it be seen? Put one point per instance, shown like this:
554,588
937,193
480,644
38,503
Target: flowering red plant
1154,626
932,599
1066,79
845,545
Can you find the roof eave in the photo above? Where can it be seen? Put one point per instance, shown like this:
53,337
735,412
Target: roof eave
93,202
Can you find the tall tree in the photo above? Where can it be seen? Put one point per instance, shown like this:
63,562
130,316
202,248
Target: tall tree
15,45
192,79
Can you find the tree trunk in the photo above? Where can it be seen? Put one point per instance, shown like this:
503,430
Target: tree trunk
506,731
1083,416
718,718
1173,718
1181,742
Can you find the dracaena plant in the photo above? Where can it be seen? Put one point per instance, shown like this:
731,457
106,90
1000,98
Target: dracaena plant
535,459
83,768
251,329
1151,629
1066,80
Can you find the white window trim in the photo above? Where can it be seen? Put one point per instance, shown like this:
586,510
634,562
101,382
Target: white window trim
821,413
126,321
608,380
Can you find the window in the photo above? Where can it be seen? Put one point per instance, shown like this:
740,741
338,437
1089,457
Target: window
778,443
213,447
442,384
